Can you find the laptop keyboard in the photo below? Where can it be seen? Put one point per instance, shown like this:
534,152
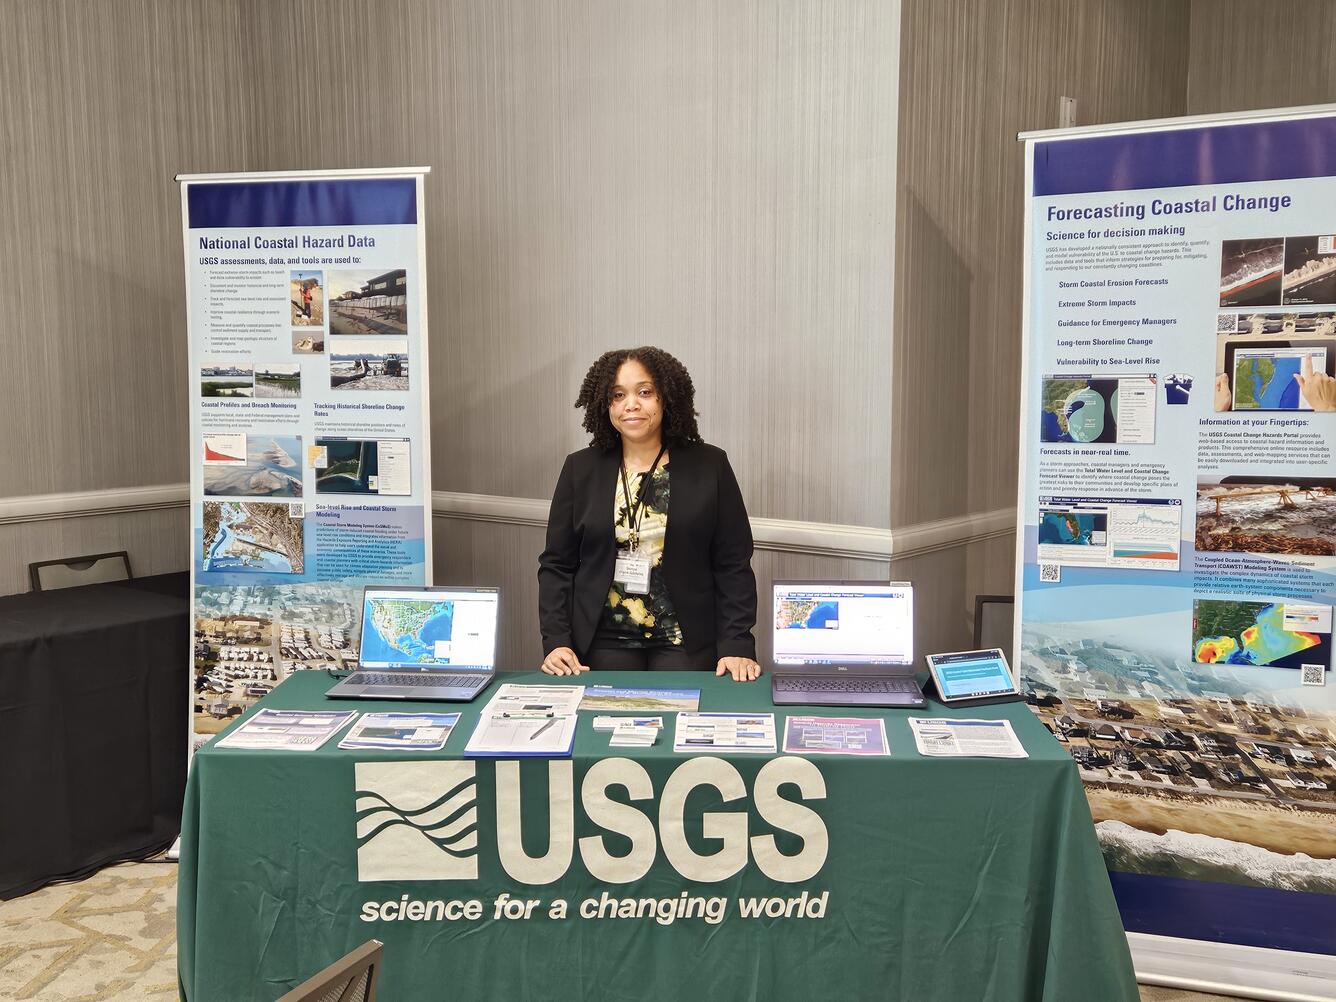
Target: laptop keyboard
825,683
416,678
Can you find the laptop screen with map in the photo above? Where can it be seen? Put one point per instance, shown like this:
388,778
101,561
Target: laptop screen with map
843,623
429,628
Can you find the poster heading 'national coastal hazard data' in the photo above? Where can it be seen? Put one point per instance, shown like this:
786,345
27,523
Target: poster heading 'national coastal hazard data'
308,421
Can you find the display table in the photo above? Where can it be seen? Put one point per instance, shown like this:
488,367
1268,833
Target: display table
943,879
93,709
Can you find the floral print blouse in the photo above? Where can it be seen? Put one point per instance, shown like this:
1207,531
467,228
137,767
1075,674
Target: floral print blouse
641,620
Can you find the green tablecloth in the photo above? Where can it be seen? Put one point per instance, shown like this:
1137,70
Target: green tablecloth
952,879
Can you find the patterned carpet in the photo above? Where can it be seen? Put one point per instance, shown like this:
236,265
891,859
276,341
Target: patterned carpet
113,937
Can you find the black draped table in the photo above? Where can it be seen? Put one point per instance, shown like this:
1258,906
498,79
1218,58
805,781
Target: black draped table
93,721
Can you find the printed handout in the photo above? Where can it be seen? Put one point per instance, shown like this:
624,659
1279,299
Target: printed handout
952,737
725,732
401,731
287,730
835,736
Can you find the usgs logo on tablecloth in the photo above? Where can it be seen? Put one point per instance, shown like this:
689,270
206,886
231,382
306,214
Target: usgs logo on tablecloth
420,821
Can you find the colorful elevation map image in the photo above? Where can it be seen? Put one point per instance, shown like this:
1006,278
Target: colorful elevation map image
1079,410
1266,382
1071,528
252,536
797,614
1252,633
407,632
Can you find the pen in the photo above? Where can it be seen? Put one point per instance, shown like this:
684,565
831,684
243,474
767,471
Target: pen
550,722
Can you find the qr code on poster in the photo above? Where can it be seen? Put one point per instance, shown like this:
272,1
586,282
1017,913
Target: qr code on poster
1314,675
296,509
1050,573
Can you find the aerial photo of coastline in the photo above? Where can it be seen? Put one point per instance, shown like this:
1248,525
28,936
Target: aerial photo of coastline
1250,271
271,467
1213,772
248,638
252,536
1310,270
1285,516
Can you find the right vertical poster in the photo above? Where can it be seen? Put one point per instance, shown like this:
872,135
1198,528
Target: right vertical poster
1176,566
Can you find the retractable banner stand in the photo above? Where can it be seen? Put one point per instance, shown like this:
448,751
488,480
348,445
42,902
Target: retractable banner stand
1176,565
307,320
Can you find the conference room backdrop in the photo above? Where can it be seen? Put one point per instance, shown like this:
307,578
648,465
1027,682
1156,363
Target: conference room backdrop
815,204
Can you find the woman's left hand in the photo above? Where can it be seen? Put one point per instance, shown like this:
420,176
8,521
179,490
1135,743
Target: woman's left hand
742,669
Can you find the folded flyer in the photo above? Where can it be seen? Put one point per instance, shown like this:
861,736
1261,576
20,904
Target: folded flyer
724,732
287,730
835,736
611,699
401,731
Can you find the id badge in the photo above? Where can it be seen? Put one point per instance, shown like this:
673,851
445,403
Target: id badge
632,573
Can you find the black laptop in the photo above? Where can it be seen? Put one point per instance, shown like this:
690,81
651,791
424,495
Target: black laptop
424,644
843,643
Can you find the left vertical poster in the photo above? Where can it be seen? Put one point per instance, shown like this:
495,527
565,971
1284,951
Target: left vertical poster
309,467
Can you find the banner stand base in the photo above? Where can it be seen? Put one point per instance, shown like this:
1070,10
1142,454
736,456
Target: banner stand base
1229,969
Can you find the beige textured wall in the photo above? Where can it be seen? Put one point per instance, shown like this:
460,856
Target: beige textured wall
973,75
714,178
1251,54
100,104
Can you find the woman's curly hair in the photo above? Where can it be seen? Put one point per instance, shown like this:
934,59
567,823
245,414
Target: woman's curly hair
671,379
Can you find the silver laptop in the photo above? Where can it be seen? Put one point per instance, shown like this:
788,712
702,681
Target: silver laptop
424,644
844,643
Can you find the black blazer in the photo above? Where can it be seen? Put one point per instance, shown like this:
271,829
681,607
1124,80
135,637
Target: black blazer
706,552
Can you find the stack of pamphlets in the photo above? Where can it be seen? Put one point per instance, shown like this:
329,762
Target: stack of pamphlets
523,720
630,732
287,730
725,732
401,731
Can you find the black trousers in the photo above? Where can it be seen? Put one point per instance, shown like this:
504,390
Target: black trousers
649,658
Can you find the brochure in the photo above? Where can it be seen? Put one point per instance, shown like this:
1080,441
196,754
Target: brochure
610,699
725,732
524,720
835,736
952,737
287,730
401,731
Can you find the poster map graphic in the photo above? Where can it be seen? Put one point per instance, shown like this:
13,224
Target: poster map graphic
1176,552
308,421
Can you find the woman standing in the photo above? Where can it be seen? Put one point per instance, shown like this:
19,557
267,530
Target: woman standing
648,557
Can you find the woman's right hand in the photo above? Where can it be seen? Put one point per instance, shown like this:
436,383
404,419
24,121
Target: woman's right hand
562,661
